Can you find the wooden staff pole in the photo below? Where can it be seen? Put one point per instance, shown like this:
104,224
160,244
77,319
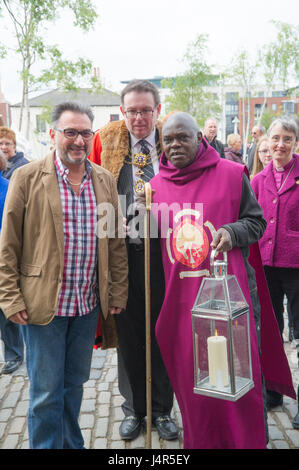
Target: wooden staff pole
148,200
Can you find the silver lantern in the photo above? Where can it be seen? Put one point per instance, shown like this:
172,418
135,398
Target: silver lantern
221,336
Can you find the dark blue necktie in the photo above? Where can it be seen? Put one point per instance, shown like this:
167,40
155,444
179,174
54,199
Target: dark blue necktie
148,171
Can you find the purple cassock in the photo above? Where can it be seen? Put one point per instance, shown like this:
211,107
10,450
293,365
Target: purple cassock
204,196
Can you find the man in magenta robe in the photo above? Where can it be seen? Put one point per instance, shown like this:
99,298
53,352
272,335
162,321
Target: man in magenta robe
223,214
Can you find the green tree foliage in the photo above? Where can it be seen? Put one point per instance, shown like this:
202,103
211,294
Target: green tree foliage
242,72
268,117
280,58
29,19
189,90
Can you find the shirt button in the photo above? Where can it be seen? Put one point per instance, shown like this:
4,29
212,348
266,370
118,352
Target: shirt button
270,242
275,201
272,221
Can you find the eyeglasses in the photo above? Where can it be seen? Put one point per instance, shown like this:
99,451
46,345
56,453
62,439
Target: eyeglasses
266,152
132,113
72,134
6,144
286,140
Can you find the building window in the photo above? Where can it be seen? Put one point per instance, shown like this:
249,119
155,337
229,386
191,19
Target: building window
261,94
274,107
277,93
231,97
257,110
288,107
114,117
40,124
231,109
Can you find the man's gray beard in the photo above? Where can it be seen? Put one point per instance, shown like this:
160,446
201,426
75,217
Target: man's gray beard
64,156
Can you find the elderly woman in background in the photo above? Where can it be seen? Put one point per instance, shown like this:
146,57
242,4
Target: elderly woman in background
10,332
277,190
8,145
232,152
3,185
262,155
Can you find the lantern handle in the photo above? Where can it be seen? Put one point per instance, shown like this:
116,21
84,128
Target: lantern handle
214,254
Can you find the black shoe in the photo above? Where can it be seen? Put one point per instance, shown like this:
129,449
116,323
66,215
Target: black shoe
130,427
274,399
166,428
296,421
11,366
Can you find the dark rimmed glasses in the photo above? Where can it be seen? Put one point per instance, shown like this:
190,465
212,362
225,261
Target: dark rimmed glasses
132,113
72,134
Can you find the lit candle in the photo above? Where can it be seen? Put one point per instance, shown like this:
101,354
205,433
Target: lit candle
217,359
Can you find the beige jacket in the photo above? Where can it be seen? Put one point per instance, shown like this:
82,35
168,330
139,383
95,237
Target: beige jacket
32,247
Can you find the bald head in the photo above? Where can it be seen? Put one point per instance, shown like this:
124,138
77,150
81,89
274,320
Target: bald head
181,138
257,132
184,119
210,129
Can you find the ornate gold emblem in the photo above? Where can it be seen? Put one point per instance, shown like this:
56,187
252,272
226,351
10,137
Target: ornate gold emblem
139,186
141,160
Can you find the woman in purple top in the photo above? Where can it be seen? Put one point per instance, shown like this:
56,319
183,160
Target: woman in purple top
277,191
232,152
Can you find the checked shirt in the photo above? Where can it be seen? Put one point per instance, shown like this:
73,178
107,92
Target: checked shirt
79,290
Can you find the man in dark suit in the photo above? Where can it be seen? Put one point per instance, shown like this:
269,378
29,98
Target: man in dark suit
256,133
210,133
130,150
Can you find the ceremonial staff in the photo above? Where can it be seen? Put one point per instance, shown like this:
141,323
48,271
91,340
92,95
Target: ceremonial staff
148,200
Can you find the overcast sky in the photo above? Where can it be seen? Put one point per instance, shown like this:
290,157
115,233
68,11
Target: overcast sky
143,39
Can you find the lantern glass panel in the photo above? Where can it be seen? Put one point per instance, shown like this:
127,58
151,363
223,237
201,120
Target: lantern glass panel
222,357
220,295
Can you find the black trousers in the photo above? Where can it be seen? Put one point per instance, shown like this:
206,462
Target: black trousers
131,335
284,281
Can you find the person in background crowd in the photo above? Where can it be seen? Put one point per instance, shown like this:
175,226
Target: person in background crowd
59,273
232,152
277,190
291,332
3,185
119,146
262,155
10,332
210,133
8,146
256,134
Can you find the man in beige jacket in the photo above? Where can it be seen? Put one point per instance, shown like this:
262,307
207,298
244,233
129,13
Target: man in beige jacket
63,267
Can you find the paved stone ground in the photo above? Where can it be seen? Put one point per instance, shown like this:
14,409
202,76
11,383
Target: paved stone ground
101,412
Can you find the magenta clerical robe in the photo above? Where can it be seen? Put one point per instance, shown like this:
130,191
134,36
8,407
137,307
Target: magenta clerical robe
204,196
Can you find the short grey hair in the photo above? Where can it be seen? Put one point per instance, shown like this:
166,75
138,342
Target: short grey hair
263,129
3,161
73,106
287,123
141,86
211,118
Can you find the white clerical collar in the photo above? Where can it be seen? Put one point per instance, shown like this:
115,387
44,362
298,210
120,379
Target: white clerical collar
150,139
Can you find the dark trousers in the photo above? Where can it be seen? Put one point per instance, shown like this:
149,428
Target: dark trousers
131,334
12,338
284,281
